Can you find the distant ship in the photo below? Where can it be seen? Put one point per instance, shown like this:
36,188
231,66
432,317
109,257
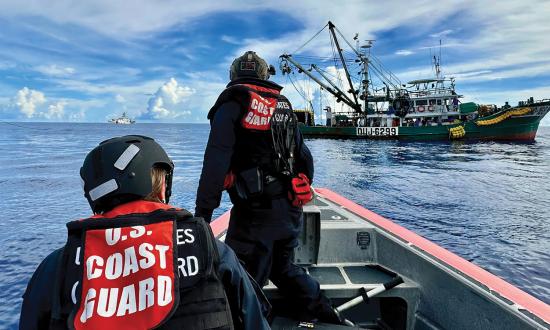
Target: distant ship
122,120
380,106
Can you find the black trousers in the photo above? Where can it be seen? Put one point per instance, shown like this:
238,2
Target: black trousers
264,239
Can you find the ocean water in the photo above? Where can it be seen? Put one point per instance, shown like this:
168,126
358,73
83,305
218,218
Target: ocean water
488,202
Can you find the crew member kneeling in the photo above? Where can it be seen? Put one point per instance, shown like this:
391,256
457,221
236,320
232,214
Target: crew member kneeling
138,263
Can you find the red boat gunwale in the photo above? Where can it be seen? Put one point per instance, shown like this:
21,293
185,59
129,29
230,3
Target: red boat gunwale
220,224
493,282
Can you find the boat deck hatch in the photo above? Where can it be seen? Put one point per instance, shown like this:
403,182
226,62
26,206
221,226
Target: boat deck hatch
327,275
368,274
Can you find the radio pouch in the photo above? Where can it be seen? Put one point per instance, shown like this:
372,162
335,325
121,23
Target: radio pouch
249,183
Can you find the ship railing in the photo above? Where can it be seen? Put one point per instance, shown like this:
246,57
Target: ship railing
433,92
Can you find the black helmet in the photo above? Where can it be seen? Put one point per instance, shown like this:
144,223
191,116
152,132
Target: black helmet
250,65
119,170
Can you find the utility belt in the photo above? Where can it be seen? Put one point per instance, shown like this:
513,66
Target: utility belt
275,187
254,186
256,189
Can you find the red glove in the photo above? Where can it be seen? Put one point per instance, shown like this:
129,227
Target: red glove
229,180
301,190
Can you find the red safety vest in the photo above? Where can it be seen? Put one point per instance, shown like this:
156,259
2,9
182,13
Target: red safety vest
261,108
142,265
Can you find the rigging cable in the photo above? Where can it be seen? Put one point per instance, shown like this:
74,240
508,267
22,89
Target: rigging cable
307,42
339,78
346,40
300,91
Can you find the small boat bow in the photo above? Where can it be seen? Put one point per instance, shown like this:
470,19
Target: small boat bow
354,253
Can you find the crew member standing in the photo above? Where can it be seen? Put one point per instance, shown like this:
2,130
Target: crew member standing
257,153
138,263
330,121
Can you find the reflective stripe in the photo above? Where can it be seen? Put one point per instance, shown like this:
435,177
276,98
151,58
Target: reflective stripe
126,157
73,292
103,189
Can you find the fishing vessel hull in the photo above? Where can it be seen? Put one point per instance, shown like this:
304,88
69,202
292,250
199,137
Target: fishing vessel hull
512,128
351,250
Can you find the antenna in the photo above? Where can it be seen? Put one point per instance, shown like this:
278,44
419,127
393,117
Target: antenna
368,44
439,54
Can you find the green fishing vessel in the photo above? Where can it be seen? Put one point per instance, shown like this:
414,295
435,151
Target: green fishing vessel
514,124
375,104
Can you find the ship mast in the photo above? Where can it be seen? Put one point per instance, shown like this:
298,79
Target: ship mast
336,92
365,73
437,64
367,62
351,90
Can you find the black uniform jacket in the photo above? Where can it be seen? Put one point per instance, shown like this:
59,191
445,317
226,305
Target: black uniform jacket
220,148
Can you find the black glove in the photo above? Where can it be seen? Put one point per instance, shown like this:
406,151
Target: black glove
203,213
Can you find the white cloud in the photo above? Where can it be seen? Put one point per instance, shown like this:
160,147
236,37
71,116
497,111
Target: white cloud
508,35
120,99
404,52
207,92
79,109
462,76
80,115
27,100
441,34
55,111
509,41
114,18
366,17
350,17
487,75
34,104
187,52
169,100
230,40
300,93
55,70
95,88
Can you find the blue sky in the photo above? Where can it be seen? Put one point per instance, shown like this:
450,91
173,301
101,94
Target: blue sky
168,60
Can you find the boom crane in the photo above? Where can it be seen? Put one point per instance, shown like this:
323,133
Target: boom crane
337,92
352,90
366,93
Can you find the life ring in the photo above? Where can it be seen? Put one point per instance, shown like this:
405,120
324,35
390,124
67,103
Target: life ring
431,108
420,108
